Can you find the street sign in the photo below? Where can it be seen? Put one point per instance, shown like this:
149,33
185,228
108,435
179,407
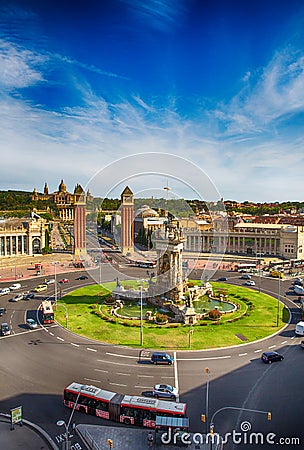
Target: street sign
16,416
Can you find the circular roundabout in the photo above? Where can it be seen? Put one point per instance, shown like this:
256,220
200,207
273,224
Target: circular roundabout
244,316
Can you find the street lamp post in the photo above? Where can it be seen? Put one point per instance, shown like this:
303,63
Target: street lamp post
279,294
207,397
61,423
141,318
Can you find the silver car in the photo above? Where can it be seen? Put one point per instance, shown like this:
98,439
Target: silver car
31,323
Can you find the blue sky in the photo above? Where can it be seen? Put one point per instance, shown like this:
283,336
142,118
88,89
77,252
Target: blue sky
220,83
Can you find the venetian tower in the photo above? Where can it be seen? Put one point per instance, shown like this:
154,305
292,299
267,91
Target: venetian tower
79,222
169,248
127,222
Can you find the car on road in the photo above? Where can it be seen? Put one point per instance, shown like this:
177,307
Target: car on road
5,291
17,297
31,323
64,280
298,282
165,391
161,358
50,281
246,277
222,279
2,311
147,394
82,277
5,329
15,286
29,296
270,357
249,283
41,288
302,344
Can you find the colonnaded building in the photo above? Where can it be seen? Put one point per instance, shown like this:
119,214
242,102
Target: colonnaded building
22,236
252,239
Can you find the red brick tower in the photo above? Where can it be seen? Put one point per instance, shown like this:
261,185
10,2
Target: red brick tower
79,222
127,221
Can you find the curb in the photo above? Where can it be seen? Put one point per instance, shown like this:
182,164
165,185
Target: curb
38,430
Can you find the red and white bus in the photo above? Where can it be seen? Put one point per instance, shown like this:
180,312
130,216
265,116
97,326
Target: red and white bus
143,263
47,313
127,409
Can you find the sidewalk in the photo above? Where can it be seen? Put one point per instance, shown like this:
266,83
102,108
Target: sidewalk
26,437
19,268
96,437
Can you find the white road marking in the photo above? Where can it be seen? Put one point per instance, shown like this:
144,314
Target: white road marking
116,363
118,384
121,356
75,345
60,339
145,376
243,354
165,378
175,371
292,337
204,359
258,351
52,334
91,349
143,387
125,374
100,370
284,342
94,381
272,346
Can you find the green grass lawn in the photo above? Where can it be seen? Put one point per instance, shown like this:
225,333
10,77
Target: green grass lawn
260,320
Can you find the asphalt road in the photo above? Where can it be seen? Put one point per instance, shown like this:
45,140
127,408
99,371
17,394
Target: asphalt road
37,364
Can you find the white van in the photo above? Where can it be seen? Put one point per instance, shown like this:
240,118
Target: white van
300,328
5,291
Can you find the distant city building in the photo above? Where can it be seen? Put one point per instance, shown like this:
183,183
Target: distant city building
22,236
65,201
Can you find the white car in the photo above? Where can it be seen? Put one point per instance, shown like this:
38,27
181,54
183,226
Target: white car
15,286
250,283
17,298
51,281
165,391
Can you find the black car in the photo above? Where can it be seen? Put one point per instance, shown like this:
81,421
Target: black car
269,357
82,277
2,311
222,279
29,296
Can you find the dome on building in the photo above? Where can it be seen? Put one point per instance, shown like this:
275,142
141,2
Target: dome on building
146,211
62,187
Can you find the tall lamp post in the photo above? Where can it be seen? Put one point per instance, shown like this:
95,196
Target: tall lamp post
141,318
207,397
61,423
279,294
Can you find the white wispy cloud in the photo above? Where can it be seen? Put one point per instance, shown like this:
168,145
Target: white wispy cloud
276,92
19,67
161,14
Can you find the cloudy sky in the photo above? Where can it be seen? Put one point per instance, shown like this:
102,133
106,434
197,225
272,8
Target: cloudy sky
219,83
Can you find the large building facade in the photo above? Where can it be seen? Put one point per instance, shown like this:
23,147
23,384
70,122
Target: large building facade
22,236
280,240
64,200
